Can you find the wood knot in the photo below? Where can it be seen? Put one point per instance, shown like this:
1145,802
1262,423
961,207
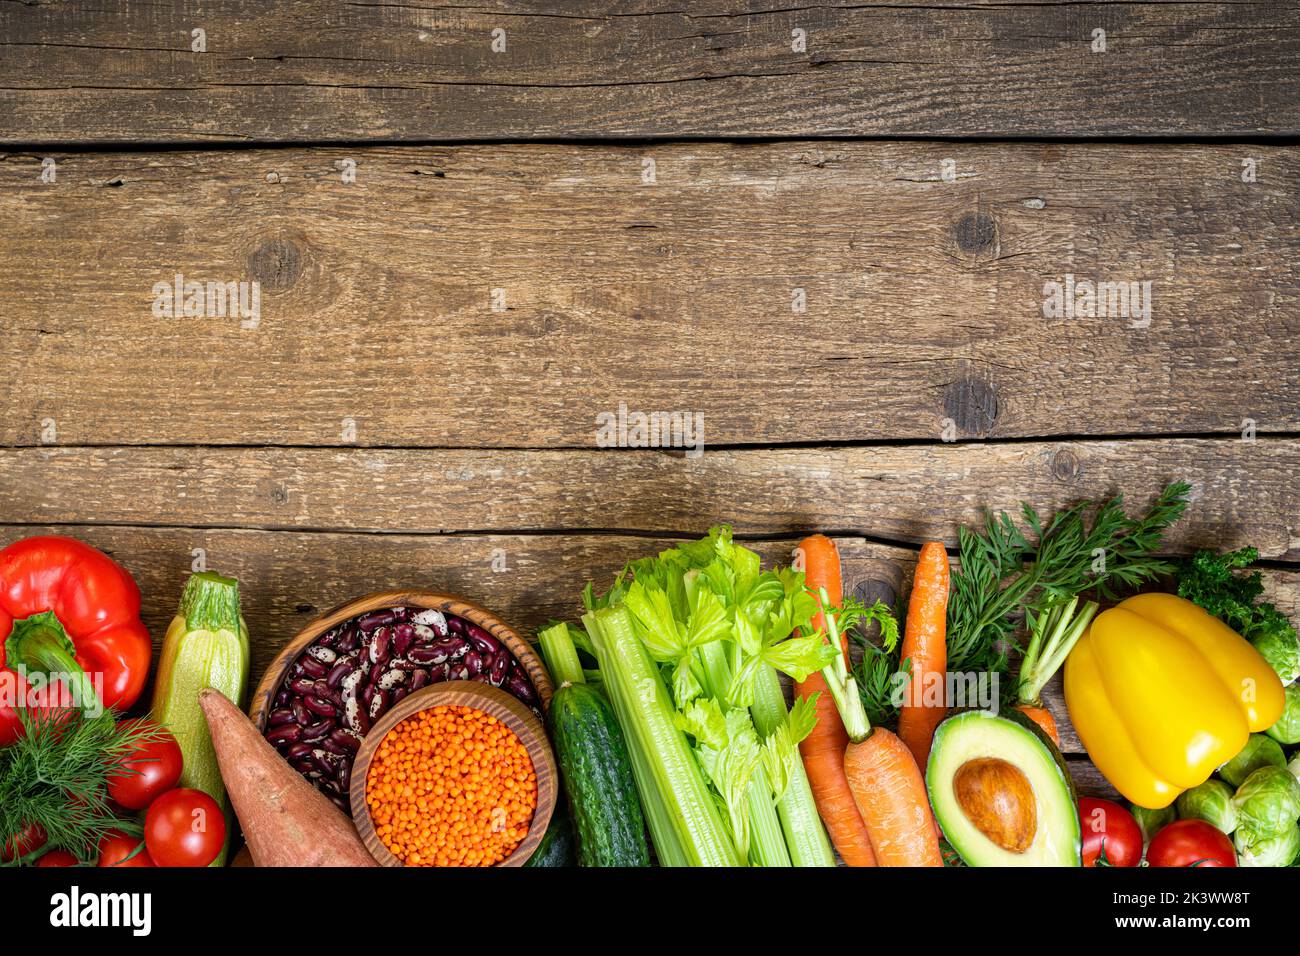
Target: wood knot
276,264
1065,464
976,233
972,403
304,608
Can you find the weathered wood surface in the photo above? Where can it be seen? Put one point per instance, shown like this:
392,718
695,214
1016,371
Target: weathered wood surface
1243,492
316,70
924,298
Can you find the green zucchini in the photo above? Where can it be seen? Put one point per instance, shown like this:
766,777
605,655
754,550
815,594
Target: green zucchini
556,848
597,772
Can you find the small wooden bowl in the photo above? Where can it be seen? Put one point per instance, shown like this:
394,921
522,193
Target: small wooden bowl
490,700
264,697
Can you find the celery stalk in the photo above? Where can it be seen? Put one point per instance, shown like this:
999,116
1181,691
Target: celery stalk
679,805
805,835
766,839
560,655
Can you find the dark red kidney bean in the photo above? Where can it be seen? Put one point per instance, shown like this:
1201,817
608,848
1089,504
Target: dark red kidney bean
399,694
282,698
310,667
300,712
367,696
329,638
455,624
373,619
324,691
283,715
474,663
340,803
345,775
500,668
403,637
457,672
284,734
298,751
363,721
348,641
483,642
341,669
329,746
345,739
302,685
418,679
304,765
321,707
314,733
521,688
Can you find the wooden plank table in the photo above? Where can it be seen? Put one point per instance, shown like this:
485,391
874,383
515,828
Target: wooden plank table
830,231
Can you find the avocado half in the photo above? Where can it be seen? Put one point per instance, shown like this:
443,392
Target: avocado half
1001,792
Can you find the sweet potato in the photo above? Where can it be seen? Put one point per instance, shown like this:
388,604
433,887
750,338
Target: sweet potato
286,821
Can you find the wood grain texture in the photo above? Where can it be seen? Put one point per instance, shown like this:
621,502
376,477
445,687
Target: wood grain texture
924,297
1243,492
315,70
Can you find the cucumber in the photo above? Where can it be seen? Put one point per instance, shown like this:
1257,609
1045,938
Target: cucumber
593,759
556,848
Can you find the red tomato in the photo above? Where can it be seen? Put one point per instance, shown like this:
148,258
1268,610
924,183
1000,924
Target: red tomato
184,828
147,771
1109,828
1191,843
29,838
116,846
58,858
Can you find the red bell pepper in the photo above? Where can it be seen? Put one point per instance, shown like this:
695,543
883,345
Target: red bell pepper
69,611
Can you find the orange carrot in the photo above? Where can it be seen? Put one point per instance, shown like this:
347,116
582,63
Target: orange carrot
823,749
1043,718
925,645
880,774
891,796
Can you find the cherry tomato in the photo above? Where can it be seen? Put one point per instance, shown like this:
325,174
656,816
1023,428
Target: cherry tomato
1191,843
116,846
29,838
58,858
1110,829
149,770
184,828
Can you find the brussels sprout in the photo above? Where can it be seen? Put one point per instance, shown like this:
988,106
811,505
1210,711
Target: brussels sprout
1260,751
1151,822
1287,728
1294,765
1211,802
1281,649
1261,848
1269,800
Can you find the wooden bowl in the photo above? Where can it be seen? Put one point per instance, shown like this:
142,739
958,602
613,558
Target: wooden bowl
490,700
264,696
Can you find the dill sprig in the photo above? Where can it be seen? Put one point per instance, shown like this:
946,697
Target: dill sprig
1013,572
1004,574
56,776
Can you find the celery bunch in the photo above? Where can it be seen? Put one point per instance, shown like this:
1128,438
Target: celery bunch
688,645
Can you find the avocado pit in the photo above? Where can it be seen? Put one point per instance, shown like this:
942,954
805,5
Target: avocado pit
998,800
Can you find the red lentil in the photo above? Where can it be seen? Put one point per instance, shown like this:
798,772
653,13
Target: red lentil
451,786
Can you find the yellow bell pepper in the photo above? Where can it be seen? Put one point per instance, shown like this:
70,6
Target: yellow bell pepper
1163,693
